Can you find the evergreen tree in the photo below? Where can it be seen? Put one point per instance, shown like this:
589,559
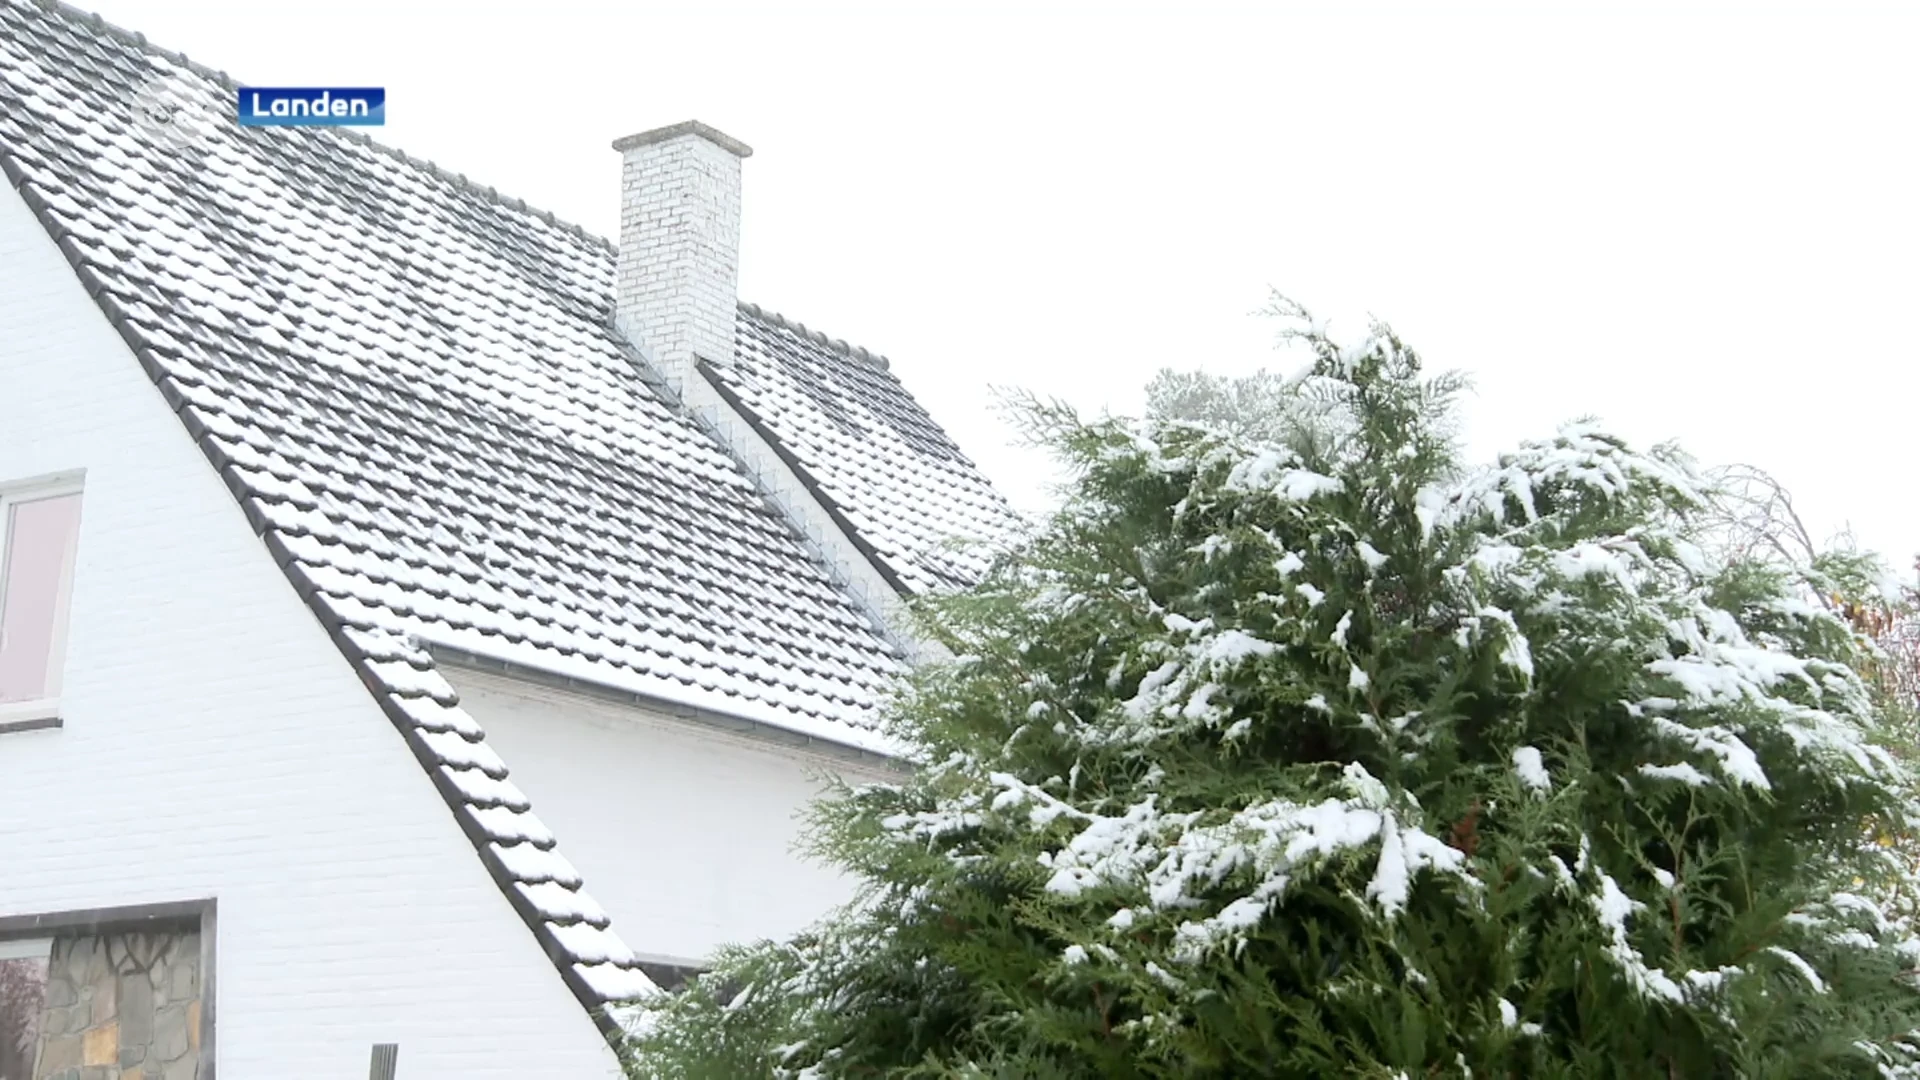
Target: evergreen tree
1262,406
1318,755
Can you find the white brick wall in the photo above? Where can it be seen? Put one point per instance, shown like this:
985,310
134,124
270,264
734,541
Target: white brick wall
679,261
215,744
683,833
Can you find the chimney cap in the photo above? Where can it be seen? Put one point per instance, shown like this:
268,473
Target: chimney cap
685,127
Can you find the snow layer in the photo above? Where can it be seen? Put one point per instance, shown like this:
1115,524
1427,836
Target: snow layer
1176,858
1531,770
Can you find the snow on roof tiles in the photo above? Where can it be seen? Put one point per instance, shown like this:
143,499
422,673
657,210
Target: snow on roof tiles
844,422
413,388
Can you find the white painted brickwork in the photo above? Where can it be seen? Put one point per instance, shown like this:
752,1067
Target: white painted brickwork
679,257
685,834
200,697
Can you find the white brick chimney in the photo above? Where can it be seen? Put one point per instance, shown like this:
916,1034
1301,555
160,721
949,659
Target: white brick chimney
678,283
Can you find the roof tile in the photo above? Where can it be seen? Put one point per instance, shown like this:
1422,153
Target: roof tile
846,424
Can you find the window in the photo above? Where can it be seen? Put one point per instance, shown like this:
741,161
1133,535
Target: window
39,534
115,992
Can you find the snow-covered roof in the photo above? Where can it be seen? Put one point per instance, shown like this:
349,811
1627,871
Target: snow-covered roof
413,387
869,451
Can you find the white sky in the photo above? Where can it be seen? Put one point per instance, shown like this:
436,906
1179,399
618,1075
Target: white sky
1692,223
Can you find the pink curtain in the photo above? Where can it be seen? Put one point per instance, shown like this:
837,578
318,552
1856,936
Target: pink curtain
39,546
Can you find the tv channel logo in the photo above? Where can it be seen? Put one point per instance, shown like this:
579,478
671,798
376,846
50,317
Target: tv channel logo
312,106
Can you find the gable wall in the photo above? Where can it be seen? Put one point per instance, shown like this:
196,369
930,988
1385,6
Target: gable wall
683,832
216,744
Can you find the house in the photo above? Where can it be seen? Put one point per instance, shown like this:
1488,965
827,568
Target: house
420,620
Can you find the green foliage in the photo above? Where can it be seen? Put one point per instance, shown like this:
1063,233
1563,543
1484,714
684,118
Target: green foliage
1295,749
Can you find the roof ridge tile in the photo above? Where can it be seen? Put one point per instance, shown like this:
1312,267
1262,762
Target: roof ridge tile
839,345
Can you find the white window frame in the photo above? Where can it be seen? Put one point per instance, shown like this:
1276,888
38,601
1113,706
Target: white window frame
41,487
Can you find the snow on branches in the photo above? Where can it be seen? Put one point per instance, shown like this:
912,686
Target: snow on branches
1290,728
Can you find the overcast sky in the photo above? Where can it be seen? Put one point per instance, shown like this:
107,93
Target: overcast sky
1690,222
